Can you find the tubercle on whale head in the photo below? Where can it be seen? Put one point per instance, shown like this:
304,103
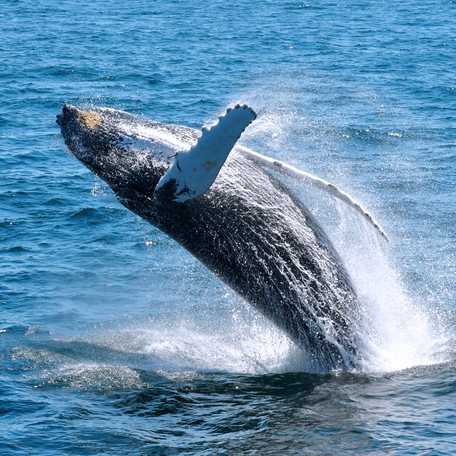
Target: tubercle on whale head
89,119
95,137
79,129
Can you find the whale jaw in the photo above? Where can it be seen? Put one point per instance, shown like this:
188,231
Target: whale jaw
99,138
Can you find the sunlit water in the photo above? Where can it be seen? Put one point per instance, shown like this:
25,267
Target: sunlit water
115,341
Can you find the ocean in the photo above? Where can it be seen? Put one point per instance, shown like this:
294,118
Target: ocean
114,340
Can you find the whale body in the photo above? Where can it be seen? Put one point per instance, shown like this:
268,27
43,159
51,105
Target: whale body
240,220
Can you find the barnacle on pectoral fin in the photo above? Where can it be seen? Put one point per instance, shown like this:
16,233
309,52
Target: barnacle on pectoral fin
90,119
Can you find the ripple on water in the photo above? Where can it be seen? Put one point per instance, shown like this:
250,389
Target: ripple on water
112,348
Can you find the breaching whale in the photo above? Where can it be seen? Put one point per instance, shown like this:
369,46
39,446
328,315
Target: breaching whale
226,206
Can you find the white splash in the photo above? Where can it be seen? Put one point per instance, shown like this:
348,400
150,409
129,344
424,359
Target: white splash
401,334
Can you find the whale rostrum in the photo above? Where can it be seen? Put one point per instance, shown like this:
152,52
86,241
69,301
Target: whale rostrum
225,205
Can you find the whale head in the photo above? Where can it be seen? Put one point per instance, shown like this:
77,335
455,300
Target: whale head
139,157
120,148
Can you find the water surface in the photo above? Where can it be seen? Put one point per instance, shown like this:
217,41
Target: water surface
114,340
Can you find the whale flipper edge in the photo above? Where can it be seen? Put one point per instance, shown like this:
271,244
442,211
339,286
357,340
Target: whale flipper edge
193,172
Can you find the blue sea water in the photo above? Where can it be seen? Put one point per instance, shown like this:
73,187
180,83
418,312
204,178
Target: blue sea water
113,340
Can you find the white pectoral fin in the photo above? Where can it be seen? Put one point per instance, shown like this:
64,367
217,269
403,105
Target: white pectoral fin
316,181
194,172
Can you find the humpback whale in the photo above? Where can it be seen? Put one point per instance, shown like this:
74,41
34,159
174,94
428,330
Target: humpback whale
225,204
